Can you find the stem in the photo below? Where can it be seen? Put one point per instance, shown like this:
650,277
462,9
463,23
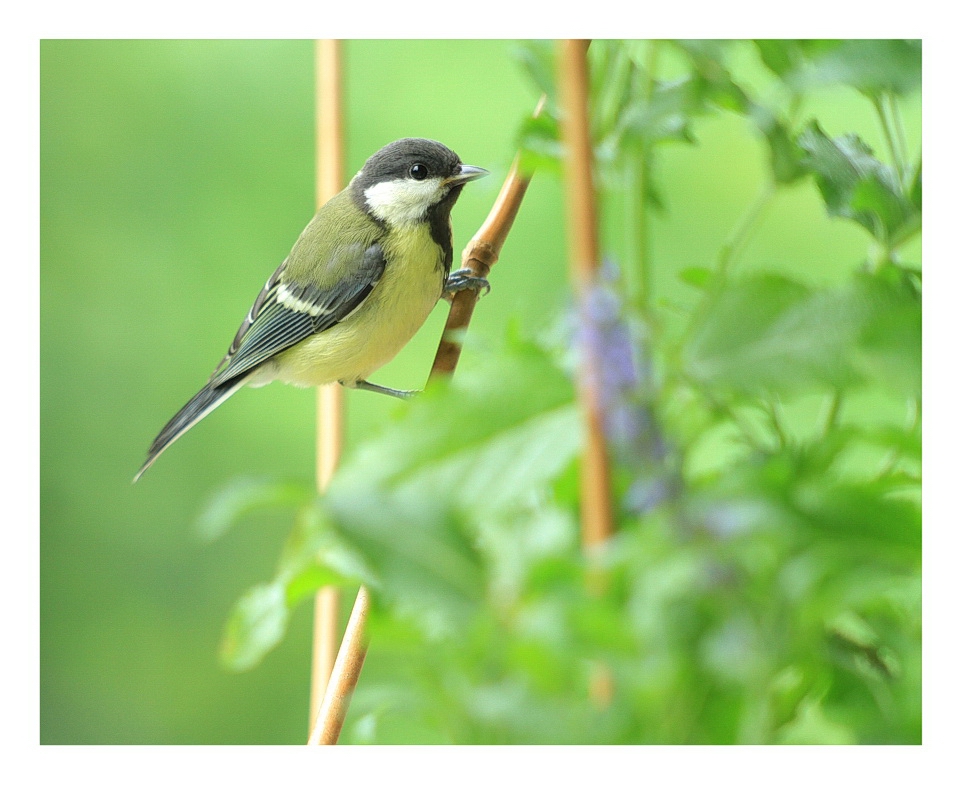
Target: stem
741,232
895,111
773,409
893,456
638,172
889,137
831,413
729,412
636,241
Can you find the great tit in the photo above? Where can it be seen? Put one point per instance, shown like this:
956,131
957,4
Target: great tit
358,283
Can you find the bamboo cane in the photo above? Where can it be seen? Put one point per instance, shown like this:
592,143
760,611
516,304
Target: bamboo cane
597,519
480,254
330,414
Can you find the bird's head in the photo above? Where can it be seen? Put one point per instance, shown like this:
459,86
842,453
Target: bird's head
403,182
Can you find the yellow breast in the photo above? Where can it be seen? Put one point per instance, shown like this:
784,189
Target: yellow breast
379,328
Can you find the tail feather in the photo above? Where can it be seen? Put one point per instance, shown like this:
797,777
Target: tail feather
198,407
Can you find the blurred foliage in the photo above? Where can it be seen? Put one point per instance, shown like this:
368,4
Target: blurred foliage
771,598
757,326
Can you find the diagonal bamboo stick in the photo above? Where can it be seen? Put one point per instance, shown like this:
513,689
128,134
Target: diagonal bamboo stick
330,411
480,254
344,676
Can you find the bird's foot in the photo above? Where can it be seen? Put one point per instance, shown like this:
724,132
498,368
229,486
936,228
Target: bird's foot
363,384
462,279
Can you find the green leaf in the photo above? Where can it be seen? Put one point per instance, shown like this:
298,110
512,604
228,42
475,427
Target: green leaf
890,347
614,85
861,519
871,66
915,193
855,184
879,198
507,394
698,277
889,343
539,58
715,82
769,333
812,726
785,56
780,55
742,345
539,142
666,115
412,500
245,495
257,624
785,155
906,443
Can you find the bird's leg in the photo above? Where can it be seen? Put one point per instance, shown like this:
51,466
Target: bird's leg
363,384
464,279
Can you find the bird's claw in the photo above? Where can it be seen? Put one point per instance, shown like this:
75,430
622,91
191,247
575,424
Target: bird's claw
462,279
363,384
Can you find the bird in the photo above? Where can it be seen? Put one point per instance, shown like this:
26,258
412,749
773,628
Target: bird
358,283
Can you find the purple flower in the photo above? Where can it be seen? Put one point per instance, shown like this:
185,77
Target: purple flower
613,356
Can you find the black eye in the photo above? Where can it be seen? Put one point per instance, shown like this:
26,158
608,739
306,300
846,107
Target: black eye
418,171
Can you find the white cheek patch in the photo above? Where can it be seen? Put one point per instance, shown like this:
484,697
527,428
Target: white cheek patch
400,202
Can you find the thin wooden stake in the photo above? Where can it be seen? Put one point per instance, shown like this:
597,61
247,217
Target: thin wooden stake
330,398
343,678
596,512
480,255
597,518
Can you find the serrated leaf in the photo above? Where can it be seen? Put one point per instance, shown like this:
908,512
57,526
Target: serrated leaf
855,184
785,156
876,196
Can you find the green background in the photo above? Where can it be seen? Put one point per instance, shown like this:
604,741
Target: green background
175,175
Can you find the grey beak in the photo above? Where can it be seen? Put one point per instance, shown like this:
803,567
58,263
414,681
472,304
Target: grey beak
467,173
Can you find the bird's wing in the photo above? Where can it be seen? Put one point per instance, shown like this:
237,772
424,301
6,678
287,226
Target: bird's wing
286,312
